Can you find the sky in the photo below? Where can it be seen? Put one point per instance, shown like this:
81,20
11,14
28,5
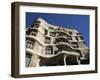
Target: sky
75,21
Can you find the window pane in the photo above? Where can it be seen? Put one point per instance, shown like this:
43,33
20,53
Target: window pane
28,59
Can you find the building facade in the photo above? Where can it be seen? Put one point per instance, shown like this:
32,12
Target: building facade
50,45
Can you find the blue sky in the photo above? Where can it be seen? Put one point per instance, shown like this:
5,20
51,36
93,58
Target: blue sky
78,22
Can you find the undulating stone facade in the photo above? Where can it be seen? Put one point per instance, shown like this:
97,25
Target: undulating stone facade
51,45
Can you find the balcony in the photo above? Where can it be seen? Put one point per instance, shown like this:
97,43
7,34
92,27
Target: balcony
31,31
63,47
62,34
53,34
78,34
62,31
51,28
61,39
36,24
65,36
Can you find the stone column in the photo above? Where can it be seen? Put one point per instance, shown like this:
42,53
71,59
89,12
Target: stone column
65,60
78,61
35,61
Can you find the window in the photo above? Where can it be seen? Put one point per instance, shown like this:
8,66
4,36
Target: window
74,45
70,32
49,50
28,59
28,31
36,26
47,40
76,38
46,32
81,38
84,43
33,33
69,38
29,44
